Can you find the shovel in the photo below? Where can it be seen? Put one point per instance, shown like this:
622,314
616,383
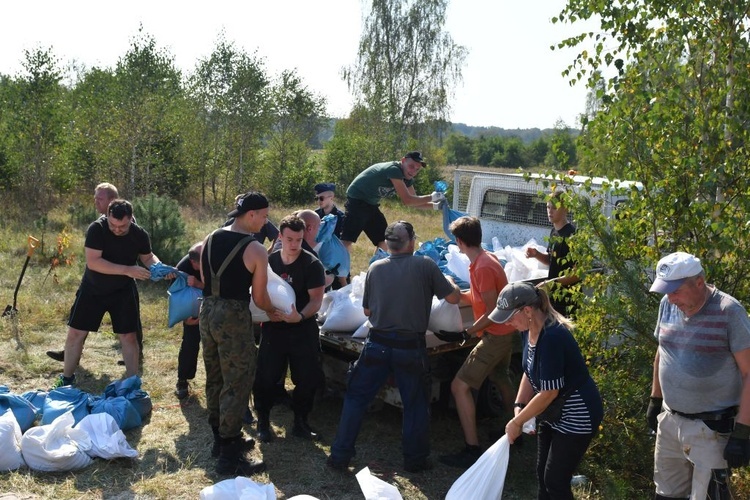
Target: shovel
32,244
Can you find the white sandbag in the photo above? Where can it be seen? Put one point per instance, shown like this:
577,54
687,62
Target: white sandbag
375,488
444,316
10,443
281,294
303,497
345,313
486,478
458,263
363,330
56,447
239,488
107,440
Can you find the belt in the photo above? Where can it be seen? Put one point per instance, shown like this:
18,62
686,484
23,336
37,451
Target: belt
400,341
709,415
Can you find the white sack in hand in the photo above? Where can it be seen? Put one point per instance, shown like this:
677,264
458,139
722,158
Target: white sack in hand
239,488
281,294
458,263
484,479
445,316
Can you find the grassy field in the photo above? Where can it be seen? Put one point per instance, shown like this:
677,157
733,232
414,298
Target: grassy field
174,444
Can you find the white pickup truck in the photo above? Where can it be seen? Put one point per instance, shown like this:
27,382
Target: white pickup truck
511,209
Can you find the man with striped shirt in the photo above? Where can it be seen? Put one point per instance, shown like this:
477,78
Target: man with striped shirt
700,398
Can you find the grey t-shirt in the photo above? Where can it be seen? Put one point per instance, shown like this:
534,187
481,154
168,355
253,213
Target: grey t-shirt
697,370
399,290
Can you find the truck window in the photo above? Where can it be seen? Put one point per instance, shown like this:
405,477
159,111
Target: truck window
523,208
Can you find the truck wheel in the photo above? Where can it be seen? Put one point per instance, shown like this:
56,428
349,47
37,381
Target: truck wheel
489,400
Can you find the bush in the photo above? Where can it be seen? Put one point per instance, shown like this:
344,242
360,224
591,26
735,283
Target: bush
160,216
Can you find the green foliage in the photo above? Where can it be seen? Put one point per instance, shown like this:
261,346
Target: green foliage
407,68
160,216
672,119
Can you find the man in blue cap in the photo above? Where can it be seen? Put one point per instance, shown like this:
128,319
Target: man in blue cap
324,193
379,181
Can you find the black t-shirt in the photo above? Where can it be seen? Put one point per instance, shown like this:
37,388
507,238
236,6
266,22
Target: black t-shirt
186,267
123,250
236,279
558,262
305,273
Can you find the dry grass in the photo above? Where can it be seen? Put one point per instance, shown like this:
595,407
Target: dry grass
174,444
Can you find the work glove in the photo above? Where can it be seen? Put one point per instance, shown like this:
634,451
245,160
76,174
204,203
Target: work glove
437,206
737,451
437,197
447,336
654,408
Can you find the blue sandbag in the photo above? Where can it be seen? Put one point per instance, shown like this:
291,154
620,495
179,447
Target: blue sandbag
449,215
125,414
379,254
184,300
332,253
22,409
64,399
130,388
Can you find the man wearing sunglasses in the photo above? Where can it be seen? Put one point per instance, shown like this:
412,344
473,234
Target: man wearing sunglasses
324,193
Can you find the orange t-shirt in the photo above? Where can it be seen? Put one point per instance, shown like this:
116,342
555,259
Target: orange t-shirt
486,273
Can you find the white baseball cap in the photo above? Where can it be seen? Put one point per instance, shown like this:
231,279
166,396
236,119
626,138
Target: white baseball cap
673,270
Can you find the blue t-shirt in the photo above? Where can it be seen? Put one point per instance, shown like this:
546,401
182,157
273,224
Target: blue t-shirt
556,362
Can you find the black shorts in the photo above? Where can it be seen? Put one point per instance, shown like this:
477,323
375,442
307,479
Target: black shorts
361,216
122,305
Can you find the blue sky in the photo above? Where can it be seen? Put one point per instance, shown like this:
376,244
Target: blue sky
511,77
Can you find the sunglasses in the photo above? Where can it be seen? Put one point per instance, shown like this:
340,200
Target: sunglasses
320,198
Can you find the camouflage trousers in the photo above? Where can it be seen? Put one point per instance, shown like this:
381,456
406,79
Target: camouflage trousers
230,355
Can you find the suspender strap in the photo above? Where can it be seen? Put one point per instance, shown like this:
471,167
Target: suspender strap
216,276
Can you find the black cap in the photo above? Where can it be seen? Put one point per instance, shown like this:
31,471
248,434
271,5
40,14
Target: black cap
416,156
249,201
514,296
324,186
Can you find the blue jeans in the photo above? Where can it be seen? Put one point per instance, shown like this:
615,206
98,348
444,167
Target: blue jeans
411,370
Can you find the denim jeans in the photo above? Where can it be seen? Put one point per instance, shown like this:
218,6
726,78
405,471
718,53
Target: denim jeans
367,375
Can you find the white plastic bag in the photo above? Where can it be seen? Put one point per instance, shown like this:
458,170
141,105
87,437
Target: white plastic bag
458,263
362,331
107,440
375,488
484,479
281,294
444,316
345,314
56,447
239,488
10,442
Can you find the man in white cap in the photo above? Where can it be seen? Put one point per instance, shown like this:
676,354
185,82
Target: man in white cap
700,398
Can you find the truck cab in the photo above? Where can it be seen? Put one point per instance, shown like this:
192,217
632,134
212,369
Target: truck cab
513,208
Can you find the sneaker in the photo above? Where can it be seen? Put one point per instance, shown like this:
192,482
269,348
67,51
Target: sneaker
337,465
182,389
56,355
420,466
63,381
464,458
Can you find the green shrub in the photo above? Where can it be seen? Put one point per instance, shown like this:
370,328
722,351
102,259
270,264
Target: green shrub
161,217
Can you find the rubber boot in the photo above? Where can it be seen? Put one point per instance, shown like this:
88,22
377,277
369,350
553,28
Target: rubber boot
247,443
232,461
265,433
303,430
